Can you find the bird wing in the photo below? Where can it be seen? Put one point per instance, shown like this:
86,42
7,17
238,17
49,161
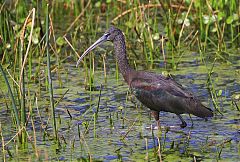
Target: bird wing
155,83
161,93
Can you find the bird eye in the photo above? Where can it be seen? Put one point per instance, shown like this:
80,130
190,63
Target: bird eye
107,34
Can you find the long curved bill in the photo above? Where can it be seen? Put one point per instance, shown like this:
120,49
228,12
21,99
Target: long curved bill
94,45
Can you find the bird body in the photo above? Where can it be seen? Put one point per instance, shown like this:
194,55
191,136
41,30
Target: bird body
155,91
161,93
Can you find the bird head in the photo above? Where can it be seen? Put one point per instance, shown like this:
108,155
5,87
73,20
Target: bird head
112,33
109,35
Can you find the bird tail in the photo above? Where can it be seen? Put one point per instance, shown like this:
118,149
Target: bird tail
202,111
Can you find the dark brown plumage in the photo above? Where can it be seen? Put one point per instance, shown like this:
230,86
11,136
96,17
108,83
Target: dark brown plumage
157,92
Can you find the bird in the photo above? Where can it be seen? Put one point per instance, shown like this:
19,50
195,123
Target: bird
155,91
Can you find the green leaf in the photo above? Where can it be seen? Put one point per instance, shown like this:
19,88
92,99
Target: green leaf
156,36
197,4
220,16
35,38
8,46
150,21
237,97
235,17
60,41
206,19
187,22
219,93
179,21
129,24
98,4
229,20
214,30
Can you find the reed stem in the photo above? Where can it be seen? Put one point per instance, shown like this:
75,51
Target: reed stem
50,88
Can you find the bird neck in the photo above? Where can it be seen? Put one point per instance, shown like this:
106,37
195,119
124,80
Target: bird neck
121,56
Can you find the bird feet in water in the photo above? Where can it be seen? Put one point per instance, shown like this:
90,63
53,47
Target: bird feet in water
156,127
183,125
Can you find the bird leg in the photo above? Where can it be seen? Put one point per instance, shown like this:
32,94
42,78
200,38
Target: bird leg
155,114
191,120
184,124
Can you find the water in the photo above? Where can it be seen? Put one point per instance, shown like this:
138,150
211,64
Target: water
120,131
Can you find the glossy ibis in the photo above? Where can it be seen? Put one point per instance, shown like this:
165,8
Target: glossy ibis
155,91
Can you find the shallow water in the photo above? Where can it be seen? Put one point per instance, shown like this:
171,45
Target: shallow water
119,118
120,130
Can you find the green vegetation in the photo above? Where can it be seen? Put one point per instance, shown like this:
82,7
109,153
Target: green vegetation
50,108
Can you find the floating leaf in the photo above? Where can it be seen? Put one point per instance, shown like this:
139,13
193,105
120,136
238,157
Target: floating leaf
237,97
120,108
219,93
